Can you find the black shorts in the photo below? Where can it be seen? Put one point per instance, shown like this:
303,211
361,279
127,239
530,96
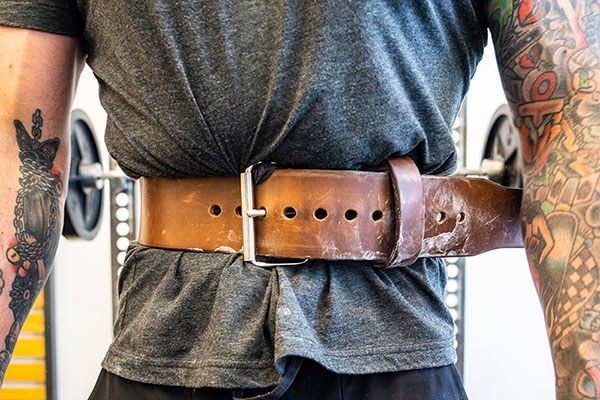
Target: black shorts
312,382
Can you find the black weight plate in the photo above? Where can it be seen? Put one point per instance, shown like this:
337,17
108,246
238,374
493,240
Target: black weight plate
503,144
83,207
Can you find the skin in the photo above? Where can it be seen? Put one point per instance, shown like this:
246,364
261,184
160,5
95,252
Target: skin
548,53
38,75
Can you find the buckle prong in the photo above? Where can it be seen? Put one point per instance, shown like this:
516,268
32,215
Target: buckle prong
248,215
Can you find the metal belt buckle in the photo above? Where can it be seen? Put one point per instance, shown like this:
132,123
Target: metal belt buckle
248,215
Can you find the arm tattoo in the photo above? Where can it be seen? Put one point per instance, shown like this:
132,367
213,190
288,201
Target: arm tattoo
549,56
36,224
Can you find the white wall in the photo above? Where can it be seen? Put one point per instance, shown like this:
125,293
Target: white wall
82,286
507,356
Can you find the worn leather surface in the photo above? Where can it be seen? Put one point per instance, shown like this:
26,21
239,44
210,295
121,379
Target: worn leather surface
409,212
461,216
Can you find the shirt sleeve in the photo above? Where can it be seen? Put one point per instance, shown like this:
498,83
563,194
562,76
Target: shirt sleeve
54,16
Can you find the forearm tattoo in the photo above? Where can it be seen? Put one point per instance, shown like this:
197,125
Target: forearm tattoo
549,53
36,223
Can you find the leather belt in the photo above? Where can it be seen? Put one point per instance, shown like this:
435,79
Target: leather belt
388,217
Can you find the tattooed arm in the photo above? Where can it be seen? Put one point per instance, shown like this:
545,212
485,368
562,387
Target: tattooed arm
548,53
38,75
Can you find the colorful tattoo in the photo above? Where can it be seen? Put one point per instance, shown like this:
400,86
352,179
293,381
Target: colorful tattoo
549,57
37,227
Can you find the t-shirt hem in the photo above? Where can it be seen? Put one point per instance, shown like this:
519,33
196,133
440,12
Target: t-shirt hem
261,373
41,16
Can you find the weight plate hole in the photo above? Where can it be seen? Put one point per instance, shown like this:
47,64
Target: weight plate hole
377,215
238,211
320,213
289,212
350,215
215,210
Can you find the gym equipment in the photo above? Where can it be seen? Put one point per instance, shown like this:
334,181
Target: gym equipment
83,207
502,150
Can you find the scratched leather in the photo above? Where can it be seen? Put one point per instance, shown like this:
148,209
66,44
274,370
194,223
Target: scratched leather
176,214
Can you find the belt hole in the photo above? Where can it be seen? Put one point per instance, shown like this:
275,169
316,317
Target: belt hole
377,215
238,211
440,217
320,213
350,215
460,217
289,212
215,210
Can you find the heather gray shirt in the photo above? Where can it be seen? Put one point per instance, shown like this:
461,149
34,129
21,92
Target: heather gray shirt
198,88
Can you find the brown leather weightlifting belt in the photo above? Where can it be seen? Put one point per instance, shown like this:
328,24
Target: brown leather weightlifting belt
388,217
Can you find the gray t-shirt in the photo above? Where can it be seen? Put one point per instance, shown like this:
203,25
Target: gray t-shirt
197,88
